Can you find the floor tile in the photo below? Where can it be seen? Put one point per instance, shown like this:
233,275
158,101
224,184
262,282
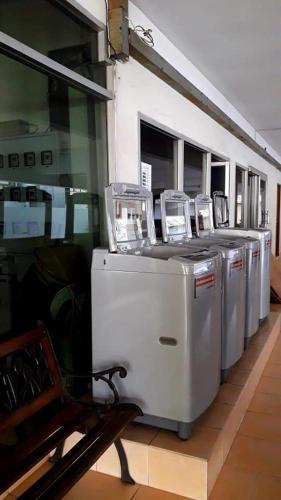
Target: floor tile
275,356
238,376
233,484
237,484
228,393
199,445
177,473
277,344
267,488
215,416
256,455
272,370
100,487
137,455
266,403
261,426
140,433
247,362
260,339
269,385
275,307
255,347
146,493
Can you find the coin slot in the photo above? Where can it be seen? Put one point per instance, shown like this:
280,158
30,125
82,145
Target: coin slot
169,341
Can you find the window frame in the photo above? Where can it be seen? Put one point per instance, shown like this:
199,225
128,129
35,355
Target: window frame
27,55
226,165
180,140
244,196
260,177
74,8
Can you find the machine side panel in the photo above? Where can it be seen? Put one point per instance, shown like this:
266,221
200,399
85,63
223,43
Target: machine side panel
233,310
134,316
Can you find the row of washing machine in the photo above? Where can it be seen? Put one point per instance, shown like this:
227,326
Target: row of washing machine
177,313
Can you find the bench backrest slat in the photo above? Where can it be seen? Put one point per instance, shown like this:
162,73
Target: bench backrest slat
29,377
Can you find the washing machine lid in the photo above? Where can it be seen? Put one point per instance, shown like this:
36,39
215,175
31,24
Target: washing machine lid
221,209
175,216
129,215
204,215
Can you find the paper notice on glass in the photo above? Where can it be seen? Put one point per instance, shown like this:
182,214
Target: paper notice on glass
146,175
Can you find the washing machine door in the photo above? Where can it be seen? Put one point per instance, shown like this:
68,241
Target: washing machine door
129,215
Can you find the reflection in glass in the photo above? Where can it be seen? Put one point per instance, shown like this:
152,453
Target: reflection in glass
158,150
52,177
217,178
193,170
55,34
221,211
130,220
262,203
239,199
204,219
175,218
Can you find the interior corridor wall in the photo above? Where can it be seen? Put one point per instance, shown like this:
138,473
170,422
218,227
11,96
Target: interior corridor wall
138,91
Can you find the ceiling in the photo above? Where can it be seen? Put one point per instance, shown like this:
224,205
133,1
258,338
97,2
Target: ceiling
236,45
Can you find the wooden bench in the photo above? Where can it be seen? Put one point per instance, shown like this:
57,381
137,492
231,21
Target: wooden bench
37,416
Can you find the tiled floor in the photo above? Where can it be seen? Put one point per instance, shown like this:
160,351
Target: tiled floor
252,470
96,486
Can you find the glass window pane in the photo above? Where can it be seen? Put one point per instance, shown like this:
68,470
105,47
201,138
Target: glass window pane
130,220
175,217
52,177
217,178
193,171
239,200
157,150
263,202
204,219
48,29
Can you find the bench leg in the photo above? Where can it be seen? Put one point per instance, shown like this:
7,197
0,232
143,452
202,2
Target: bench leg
58,453
125,473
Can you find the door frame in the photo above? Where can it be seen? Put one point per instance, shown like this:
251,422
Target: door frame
278,205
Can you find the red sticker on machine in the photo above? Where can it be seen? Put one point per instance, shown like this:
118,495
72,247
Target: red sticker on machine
256,253
267,243
236,264
203,283
208,279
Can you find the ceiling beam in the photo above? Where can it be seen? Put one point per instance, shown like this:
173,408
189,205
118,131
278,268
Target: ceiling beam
149,58
118,29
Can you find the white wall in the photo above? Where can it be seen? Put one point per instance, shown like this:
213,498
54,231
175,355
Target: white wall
139,91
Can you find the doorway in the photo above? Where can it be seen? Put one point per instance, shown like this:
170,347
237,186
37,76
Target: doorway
277,248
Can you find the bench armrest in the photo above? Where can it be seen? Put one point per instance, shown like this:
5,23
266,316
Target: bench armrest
106,376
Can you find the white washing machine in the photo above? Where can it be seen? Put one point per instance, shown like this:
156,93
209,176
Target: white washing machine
176,229
156,310
205,227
